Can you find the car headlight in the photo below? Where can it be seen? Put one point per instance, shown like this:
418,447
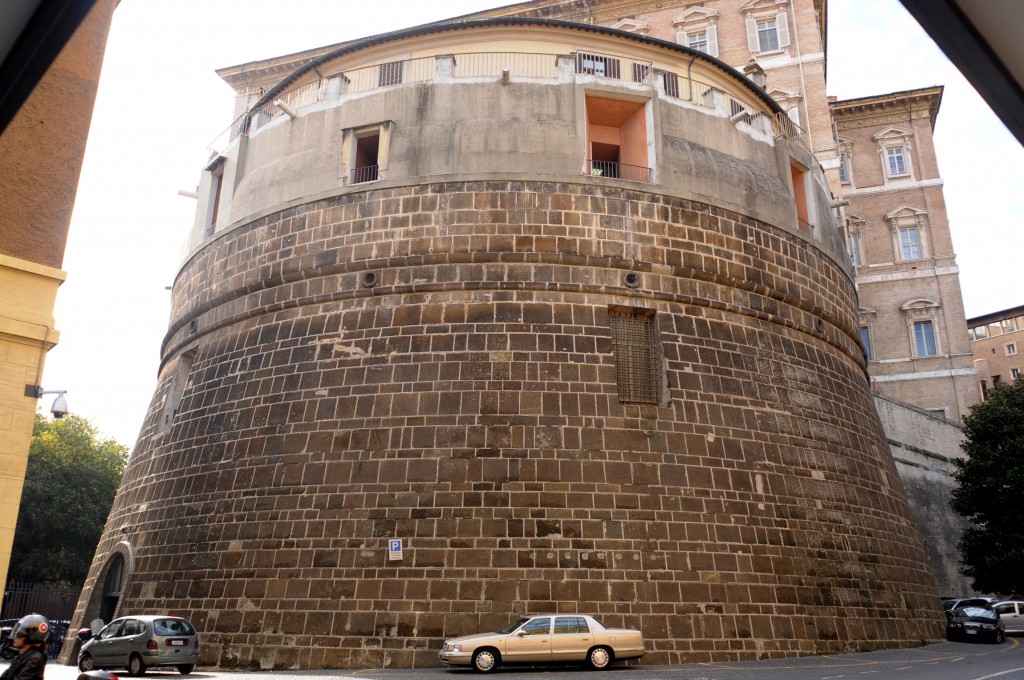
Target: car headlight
452,648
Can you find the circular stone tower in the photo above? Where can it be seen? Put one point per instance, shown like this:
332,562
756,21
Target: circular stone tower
509,316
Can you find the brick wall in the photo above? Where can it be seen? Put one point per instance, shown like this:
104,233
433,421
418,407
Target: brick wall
465,402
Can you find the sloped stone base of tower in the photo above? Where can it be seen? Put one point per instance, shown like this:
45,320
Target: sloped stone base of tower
435,364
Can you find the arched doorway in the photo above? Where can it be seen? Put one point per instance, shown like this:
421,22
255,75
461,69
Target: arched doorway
112,587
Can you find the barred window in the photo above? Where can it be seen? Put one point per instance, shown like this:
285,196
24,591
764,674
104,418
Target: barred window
597,65
390,73
671,81
636,358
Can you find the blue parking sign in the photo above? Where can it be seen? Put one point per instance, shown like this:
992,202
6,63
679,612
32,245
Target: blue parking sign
395,549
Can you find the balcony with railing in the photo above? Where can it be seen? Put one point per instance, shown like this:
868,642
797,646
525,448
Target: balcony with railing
616,170
367,173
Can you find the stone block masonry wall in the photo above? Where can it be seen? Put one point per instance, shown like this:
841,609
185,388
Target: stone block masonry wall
463,399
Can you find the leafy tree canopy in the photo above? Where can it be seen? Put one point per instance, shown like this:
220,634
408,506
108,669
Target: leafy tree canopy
70,483
990,487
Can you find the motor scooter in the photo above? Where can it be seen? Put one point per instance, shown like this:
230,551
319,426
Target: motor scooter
7,650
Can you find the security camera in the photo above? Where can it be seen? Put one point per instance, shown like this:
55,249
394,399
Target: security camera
60,407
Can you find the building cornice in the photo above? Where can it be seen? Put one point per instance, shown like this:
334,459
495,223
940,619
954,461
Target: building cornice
884,109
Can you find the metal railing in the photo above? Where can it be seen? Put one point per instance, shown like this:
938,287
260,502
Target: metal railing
615,170
367,173
492,64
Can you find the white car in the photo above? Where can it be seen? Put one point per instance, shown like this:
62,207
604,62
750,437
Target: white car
1011,613
547,638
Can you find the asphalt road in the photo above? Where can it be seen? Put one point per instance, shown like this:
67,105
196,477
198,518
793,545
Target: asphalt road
944,661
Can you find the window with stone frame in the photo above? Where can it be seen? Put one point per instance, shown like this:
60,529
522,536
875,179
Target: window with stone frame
365,152
845,160
767,26
907,225
697,28
894,151
1011,349
637,355
865,341
924,339
1014,373
855,240
922,317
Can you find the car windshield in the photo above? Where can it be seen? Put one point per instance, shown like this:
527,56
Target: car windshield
980,612
512,626
173,627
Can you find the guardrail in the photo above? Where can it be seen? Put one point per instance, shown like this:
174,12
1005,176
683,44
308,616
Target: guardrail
517,64
616,170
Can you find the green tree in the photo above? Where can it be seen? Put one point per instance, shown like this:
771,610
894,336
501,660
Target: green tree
70,483
990,486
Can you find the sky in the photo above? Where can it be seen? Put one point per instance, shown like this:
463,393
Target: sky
160,104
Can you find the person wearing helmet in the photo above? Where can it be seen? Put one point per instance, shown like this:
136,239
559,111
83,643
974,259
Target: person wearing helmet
29,638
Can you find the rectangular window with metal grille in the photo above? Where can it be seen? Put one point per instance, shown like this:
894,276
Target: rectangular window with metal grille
390,73
634,345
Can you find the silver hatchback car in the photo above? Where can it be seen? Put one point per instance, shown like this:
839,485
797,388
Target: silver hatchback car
138,642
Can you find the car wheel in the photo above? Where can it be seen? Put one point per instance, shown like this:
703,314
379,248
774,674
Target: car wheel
135,665
86,664
599,658
185,668
485,660
1000,636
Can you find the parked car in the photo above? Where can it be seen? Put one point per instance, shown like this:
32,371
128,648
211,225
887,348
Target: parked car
975,622
1011,613
949,604
139,642
548,638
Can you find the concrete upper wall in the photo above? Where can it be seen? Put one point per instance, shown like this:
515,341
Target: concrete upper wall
479,128
924,447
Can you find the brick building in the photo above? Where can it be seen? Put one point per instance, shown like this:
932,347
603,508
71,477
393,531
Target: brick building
911,309
563,307
997,344
41,150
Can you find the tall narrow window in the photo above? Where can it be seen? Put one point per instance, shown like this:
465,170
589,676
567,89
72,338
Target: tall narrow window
854,247
924,338
843,176
865,340
1014,373
910,245
800,196
634,345
366,164
216,170
671,82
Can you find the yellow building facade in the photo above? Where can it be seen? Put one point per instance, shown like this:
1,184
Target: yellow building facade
41,153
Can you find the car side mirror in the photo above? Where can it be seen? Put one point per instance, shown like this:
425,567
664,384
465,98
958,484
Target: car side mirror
84,634
521,633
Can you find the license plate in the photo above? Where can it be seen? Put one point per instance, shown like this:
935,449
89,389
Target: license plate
972,632
179,643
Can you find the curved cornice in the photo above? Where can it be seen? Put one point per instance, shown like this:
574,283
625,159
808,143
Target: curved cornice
468,24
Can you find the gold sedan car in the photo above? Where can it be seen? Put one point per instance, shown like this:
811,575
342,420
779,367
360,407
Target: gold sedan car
550,638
